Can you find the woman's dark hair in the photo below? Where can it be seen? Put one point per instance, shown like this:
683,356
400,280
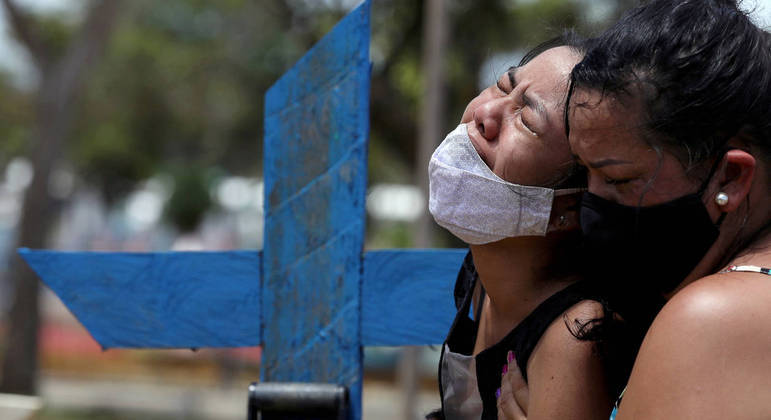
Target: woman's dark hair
565,258
618,333
568,38
701,72
701,68
575,177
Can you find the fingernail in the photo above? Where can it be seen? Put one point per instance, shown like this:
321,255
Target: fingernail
510,356
497,393
505,369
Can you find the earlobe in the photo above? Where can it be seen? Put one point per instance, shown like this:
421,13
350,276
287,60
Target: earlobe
564,214
563,223
735,181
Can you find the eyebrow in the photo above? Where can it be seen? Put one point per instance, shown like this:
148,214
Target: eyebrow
529,101
511,72
602,163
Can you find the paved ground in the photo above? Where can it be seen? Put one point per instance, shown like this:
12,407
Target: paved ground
381,399
176,384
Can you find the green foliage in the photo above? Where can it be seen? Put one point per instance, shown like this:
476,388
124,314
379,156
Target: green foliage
55,34
407,78
15,121
112,158
182,81
190,200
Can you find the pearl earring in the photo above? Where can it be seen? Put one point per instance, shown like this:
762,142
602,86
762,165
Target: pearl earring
721,199
563,221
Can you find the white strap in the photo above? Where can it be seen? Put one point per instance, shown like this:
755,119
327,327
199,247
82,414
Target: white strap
747,268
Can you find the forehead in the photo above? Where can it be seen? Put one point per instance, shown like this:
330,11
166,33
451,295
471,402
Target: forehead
600,123
548,73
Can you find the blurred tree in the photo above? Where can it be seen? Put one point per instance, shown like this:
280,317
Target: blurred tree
63,67
181,85
15,115
183,80
189,201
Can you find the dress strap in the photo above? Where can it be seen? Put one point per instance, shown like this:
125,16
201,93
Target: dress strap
615,406
747,269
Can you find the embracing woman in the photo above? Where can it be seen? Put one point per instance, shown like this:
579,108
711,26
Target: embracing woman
670,112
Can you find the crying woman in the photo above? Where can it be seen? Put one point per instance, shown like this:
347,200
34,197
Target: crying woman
505,182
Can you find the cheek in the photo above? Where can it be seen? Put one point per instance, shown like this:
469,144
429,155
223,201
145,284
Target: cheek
552,151
467,114
646,190
531,163
553,166
596,185
670,183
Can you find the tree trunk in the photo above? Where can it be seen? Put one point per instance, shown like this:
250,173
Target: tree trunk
61,86
431,123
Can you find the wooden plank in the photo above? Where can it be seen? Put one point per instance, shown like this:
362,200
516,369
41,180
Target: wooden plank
407,296
160,300
315,151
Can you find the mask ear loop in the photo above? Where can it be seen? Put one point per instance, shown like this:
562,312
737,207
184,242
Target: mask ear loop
568,191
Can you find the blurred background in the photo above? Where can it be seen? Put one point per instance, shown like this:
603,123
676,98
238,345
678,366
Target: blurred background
136,125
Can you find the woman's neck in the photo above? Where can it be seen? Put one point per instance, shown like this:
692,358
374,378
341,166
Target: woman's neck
514,275
756,249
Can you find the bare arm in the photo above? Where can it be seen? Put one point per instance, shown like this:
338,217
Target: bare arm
706,355
566,377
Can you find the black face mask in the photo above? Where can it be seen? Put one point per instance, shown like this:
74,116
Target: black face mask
646,248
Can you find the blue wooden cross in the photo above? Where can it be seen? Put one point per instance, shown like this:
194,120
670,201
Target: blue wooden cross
312,297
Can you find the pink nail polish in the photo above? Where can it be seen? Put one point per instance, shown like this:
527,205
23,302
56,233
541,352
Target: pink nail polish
510,356
505,369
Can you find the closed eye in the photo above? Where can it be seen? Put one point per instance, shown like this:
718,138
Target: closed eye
524,122
611,181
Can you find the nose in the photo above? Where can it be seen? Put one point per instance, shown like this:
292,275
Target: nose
488,117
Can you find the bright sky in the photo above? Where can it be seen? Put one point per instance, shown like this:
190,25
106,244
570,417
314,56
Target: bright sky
13,59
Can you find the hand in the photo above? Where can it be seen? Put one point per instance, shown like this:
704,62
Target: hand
513,394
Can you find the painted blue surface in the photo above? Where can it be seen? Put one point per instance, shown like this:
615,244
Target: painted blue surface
211,299
315,151
310,298
407,296
158,300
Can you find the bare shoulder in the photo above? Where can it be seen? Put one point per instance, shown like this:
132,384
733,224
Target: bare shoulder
561,340
707,349
566,375
718,305
715,316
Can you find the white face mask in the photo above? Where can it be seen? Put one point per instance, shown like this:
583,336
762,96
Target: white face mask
474,204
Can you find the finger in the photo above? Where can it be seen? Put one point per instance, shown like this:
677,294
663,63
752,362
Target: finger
506,383
506,386
508,409
516,383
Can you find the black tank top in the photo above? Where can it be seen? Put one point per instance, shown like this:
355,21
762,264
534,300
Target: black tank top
521,340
